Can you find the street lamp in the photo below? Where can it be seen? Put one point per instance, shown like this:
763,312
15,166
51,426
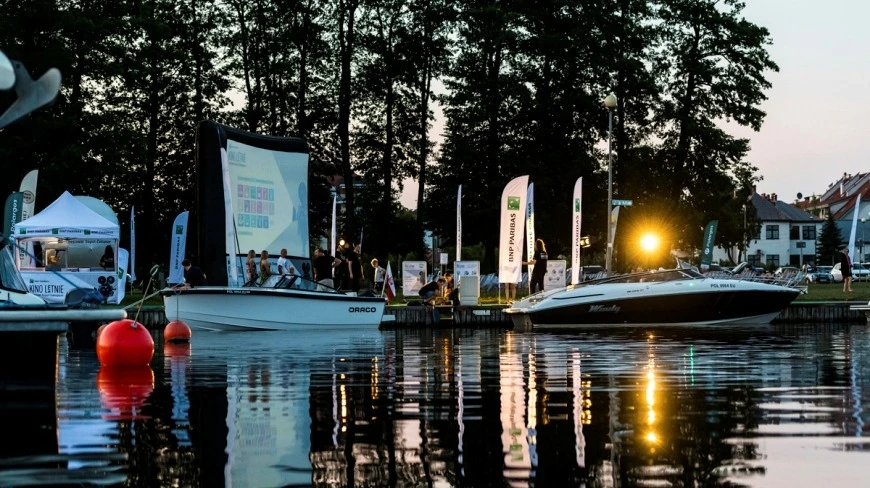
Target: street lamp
610,105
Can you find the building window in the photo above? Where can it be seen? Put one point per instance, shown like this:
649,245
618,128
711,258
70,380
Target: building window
809,232
756,233
771,232
773,260
794,232
754,260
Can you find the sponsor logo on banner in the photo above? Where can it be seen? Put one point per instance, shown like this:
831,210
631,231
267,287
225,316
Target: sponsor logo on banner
513,203
29,197
576,204
179,229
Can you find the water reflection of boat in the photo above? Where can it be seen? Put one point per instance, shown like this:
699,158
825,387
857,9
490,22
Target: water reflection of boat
282,303
677,296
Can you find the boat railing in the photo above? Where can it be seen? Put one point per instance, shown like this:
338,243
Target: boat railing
790,279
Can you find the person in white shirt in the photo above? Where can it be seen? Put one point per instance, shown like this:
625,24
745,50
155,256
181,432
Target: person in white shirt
284,263
380,274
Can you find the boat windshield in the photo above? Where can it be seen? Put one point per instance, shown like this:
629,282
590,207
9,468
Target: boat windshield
654,277
10,278
295,282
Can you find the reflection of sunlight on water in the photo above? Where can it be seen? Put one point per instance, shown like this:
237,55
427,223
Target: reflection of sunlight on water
477,408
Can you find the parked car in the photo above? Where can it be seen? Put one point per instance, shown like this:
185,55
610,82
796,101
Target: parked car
820,274
591,272
859,273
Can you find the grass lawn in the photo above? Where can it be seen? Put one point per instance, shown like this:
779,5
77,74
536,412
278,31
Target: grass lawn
833,292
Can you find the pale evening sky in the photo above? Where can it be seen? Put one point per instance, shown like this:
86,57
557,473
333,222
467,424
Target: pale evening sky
817,125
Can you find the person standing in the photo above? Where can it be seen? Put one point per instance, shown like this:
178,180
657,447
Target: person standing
265,266
251,267
539,261
354,267
284,263
323,265
380,274
510,292
846,269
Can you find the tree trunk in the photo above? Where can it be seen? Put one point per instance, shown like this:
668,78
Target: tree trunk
346,48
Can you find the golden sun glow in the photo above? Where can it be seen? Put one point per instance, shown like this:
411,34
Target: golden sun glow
649,242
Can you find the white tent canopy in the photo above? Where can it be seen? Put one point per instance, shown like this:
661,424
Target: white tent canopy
67,218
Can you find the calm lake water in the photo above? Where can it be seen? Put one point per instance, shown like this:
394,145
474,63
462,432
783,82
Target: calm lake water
773,406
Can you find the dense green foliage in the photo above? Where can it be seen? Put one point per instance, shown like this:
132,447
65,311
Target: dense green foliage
519,85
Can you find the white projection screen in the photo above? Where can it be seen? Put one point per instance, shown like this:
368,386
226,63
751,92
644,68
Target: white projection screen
270,199
267,179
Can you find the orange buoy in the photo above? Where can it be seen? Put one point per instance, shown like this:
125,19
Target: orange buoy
125,343
176,331
124,389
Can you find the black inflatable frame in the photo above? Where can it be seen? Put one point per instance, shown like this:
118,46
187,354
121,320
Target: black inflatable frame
209,219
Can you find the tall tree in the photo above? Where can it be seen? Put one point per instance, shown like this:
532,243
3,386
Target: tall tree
711,67
830,242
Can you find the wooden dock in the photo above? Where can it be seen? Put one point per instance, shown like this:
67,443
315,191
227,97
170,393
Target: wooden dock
489,316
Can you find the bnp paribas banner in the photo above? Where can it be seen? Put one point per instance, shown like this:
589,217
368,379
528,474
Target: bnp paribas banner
513,216
179,242
709,242
12,211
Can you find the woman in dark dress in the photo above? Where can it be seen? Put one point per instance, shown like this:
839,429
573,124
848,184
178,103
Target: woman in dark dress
846,269
539,261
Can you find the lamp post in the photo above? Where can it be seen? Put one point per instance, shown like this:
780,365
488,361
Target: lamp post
610,104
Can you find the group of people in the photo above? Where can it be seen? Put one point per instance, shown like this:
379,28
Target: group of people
344,271
256,273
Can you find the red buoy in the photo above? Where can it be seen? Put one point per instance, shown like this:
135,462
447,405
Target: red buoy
176,331
124,389
125,343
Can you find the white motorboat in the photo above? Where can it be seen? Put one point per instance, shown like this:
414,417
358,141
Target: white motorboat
673,297
281,303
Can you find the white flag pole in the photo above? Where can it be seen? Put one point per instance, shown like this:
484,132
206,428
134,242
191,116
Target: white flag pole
530,230
576,247
854,227
459,224
133,243
332,235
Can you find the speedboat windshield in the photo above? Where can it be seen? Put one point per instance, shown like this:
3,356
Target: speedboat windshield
653,277
10,278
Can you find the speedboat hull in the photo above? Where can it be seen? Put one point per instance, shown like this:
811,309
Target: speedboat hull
683,302
229,309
